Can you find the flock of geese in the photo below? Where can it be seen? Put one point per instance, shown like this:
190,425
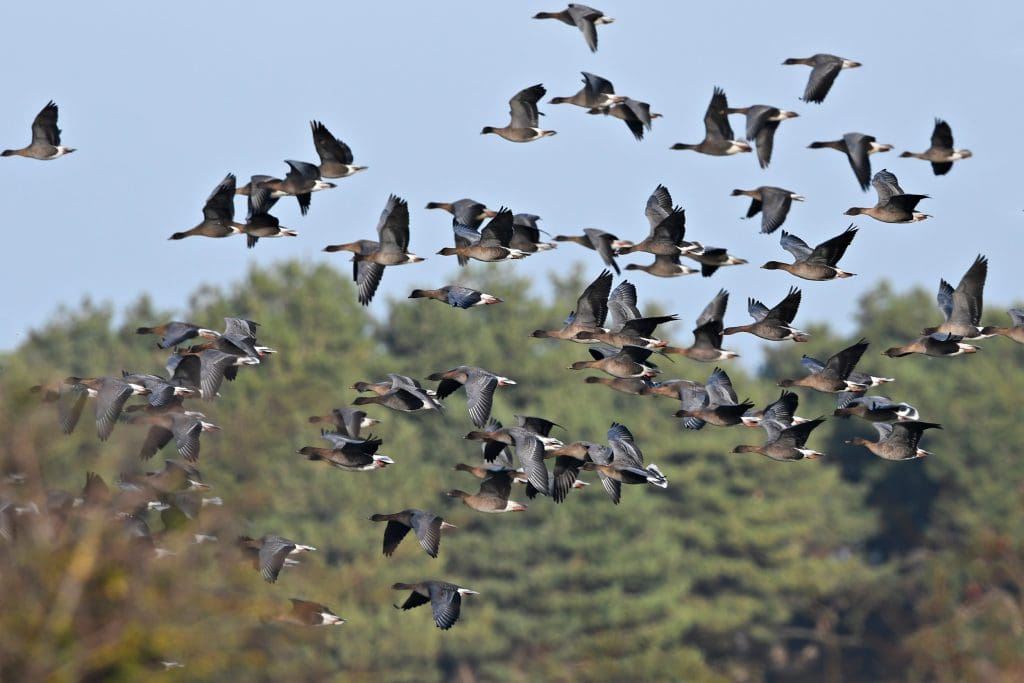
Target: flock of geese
606,321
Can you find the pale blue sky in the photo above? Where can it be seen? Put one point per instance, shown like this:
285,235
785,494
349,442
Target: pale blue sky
163,100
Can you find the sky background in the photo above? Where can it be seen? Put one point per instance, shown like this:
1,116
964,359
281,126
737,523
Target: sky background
163,100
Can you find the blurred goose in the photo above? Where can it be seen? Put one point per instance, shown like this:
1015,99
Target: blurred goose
785,444
493,496
590,313
596,92
894,206
445,600
348,453
268,553
45,143
762,122
176,476
598,240
1014,332
110,393
621,462
456,296
629,361
874,408
523,110
347,421
937,344
718,136
897,441
772,203
715,403
393,381
218,213
480,385
176,332
491,244
586,19
857,147
335,156
832,376
774,324
185,427
818,263
824,69
306,613
160,393
369,257
962,307
671,388
466,211
502,466
428,528
636,386
707,335
259,222
637,115
941,154
214,365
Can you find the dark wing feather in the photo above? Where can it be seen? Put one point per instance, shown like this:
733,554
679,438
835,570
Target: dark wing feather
368,277
394,532
857,154
843,362
530,452
786,309
70,404
328,147
831,250
428,531
44,126
716,123
415,600
393,226
659,205
715,310
942,135
592,306
523,106
602,243
800,250
156,438
622,305
220,205
479,395
968,295
765,141
820,81
775,204
445,603
273,550
109,402
499,230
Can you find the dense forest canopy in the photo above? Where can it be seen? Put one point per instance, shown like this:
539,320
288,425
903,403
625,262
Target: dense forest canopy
848,568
